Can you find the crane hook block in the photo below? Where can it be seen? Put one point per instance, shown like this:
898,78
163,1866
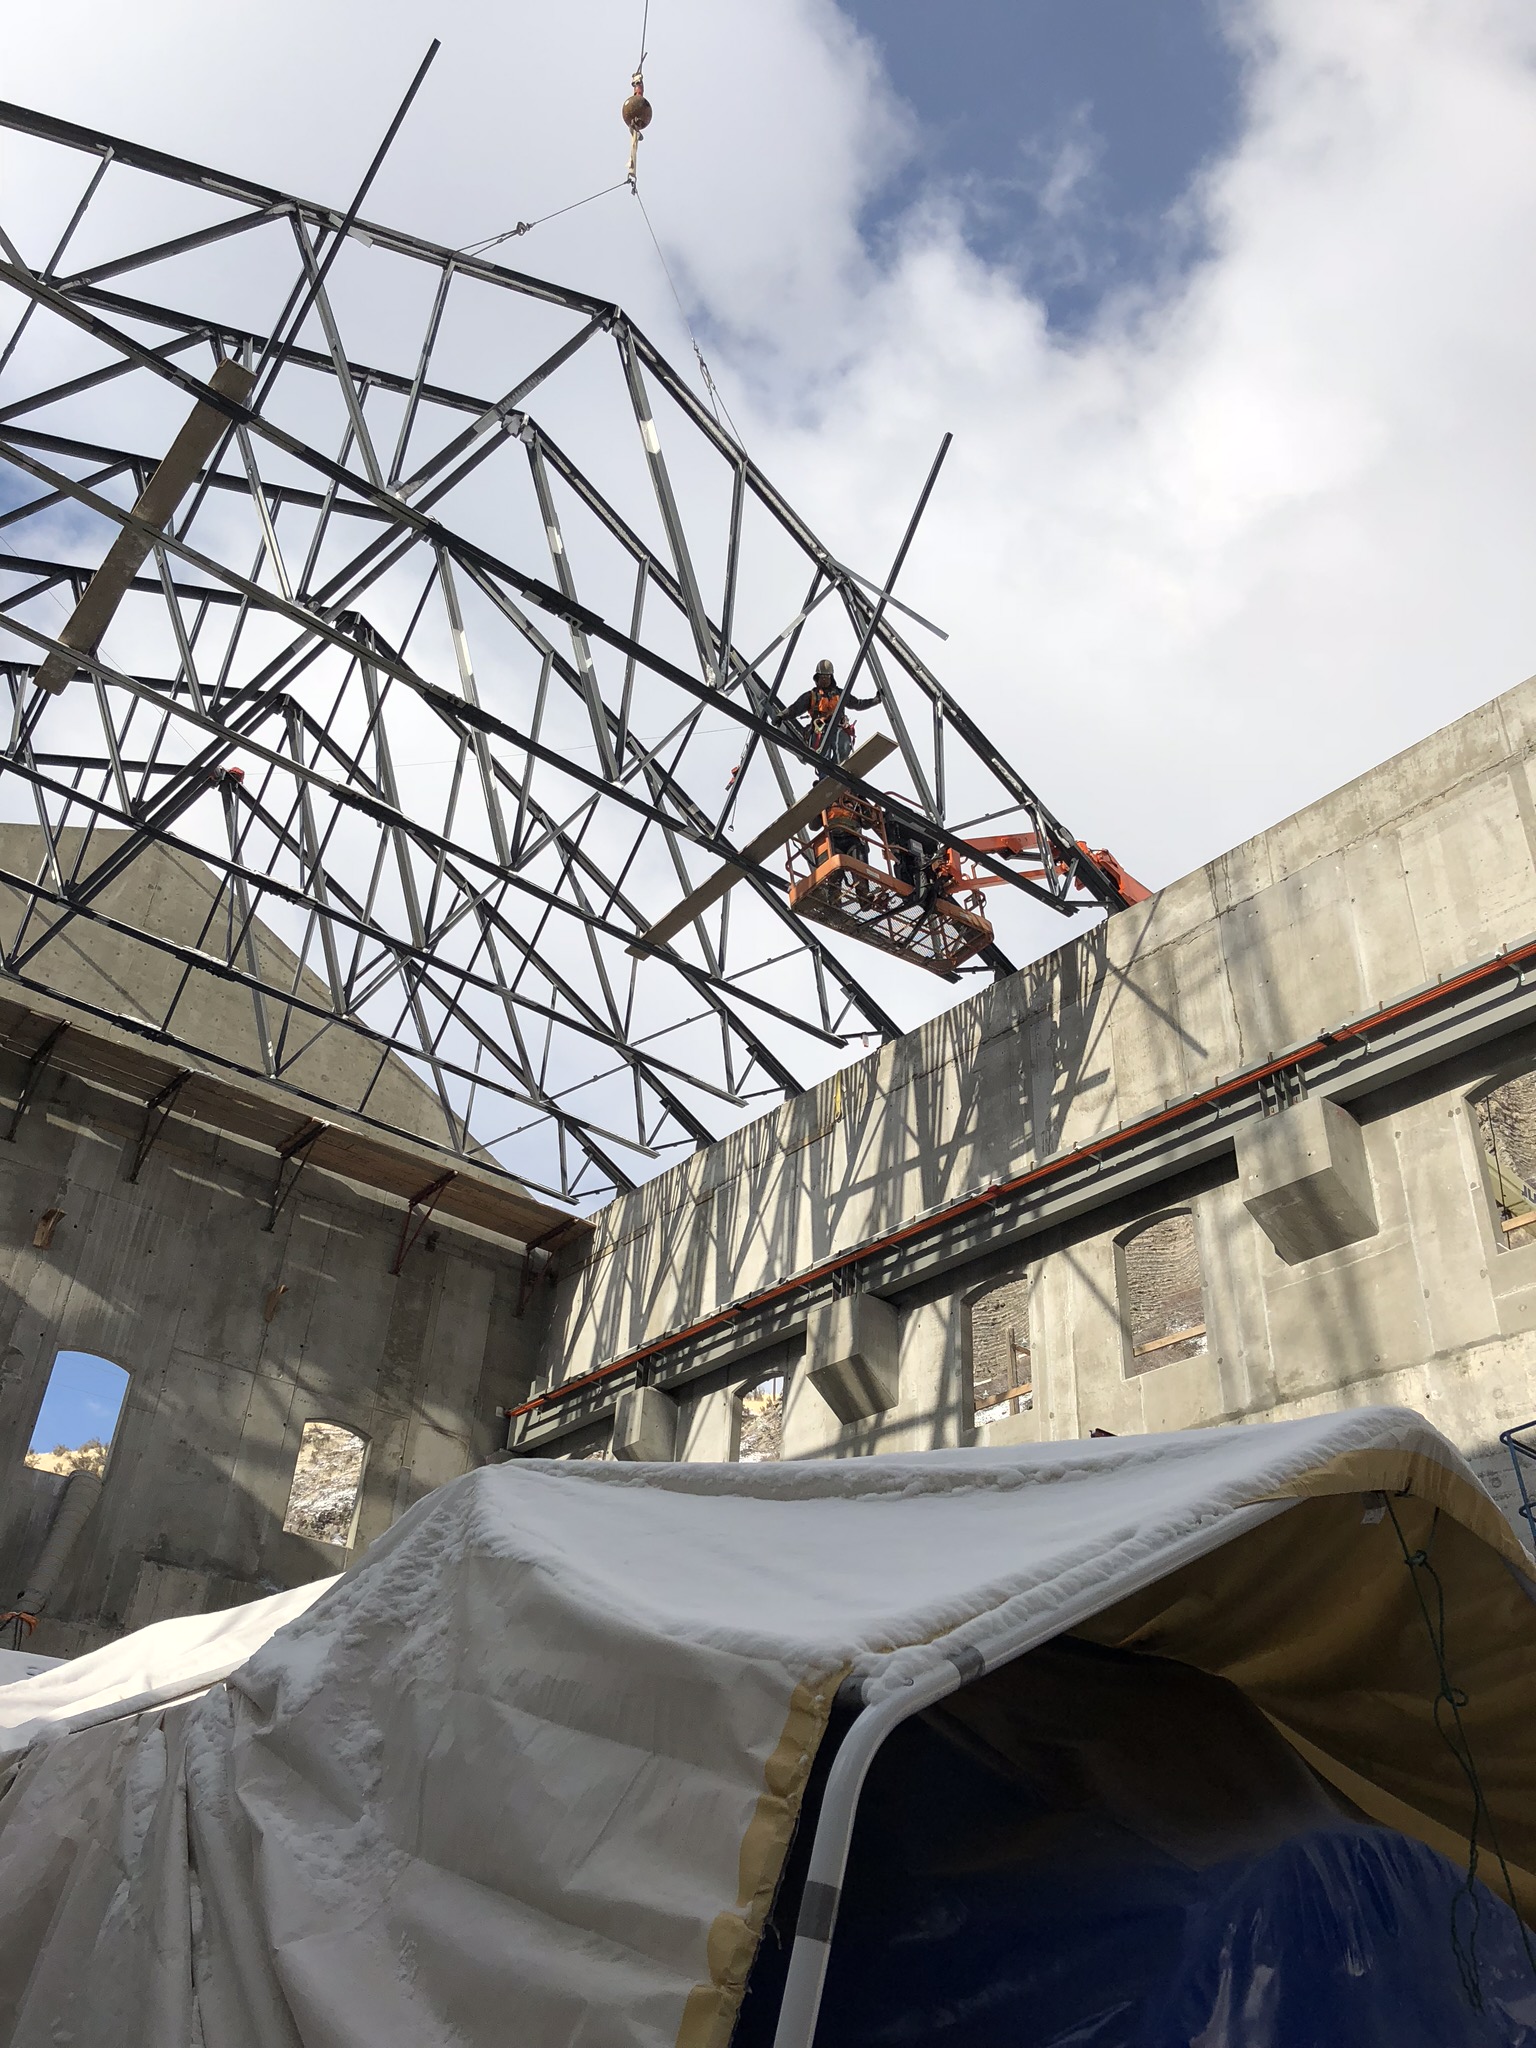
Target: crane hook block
637,108
637,117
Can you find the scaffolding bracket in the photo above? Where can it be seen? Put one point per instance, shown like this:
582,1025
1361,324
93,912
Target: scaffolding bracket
531,1271
290,1164
157,1112
418,1214
36,1067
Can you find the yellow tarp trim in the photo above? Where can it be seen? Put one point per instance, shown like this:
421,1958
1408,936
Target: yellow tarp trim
709,2016
1316,1617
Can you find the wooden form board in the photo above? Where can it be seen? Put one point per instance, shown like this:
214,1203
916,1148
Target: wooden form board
244,1110
824,793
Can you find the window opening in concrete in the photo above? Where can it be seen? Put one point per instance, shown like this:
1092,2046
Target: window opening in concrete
78,1419
1160,1283
1002,1382
762,1421
1506,1126
327,1475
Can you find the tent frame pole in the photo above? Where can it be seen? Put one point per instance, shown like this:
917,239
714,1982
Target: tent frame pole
828,1864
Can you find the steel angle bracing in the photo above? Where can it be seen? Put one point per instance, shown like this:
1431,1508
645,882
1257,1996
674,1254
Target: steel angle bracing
451,687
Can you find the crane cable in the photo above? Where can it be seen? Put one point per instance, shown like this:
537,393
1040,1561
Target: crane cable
717,404
527,226
636,115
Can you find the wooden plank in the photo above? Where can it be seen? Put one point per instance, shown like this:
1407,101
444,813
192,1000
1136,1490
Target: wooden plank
826,791
1162,1343
173,478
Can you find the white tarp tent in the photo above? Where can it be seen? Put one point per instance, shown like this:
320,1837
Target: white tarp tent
528,1771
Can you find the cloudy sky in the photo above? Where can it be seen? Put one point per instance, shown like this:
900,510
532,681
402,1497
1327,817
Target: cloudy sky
1228,307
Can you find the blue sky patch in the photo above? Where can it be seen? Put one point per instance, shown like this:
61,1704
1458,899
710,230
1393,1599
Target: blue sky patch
1064,130
84,1399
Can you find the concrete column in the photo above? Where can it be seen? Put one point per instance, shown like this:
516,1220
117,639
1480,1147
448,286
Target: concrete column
710,1430
1305,1180
80,1495
645,1426
851,1355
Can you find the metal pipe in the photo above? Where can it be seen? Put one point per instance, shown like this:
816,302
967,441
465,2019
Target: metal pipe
885,595
81,1492
271,358
839,1803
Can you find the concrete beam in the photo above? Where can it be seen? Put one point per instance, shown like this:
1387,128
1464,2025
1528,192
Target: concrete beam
645,1426
851,1346
1305,1180
1464,1020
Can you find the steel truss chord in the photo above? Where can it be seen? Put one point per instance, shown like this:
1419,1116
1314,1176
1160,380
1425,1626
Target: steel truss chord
415,752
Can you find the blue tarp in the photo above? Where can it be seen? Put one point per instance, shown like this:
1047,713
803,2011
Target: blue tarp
1112,1852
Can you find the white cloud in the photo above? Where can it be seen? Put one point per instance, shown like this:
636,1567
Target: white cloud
1252,535
1253,532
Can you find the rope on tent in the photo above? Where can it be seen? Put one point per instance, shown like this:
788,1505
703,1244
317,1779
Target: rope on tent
1458,1743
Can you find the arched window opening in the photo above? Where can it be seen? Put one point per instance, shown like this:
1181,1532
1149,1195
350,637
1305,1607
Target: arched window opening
761,1410
1160,1289
1002,1380
327,1477
1506,1125
79,1416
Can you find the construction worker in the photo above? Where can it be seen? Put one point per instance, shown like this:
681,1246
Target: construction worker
819,708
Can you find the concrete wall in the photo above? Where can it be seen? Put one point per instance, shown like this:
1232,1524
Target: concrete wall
175,1280
1423,866
177,898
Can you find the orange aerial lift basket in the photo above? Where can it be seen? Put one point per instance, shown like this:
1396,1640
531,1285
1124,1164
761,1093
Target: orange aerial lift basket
856,872
851,875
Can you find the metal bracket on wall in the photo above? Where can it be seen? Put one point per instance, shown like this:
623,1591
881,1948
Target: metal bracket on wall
1282,1089
417,1216
290,1164
35,1069
157,1113
531,1271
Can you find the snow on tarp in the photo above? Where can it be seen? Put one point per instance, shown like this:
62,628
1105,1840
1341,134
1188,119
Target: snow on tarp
529,1769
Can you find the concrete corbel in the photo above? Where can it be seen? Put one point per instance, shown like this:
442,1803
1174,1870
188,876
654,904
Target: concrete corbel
1305,1179
851,1355
645,1426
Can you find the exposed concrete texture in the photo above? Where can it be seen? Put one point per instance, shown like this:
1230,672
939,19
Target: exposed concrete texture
852,1358
82,1490
1305,1180
645,1426
177,898
1418,868
1408,1287
234,1337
